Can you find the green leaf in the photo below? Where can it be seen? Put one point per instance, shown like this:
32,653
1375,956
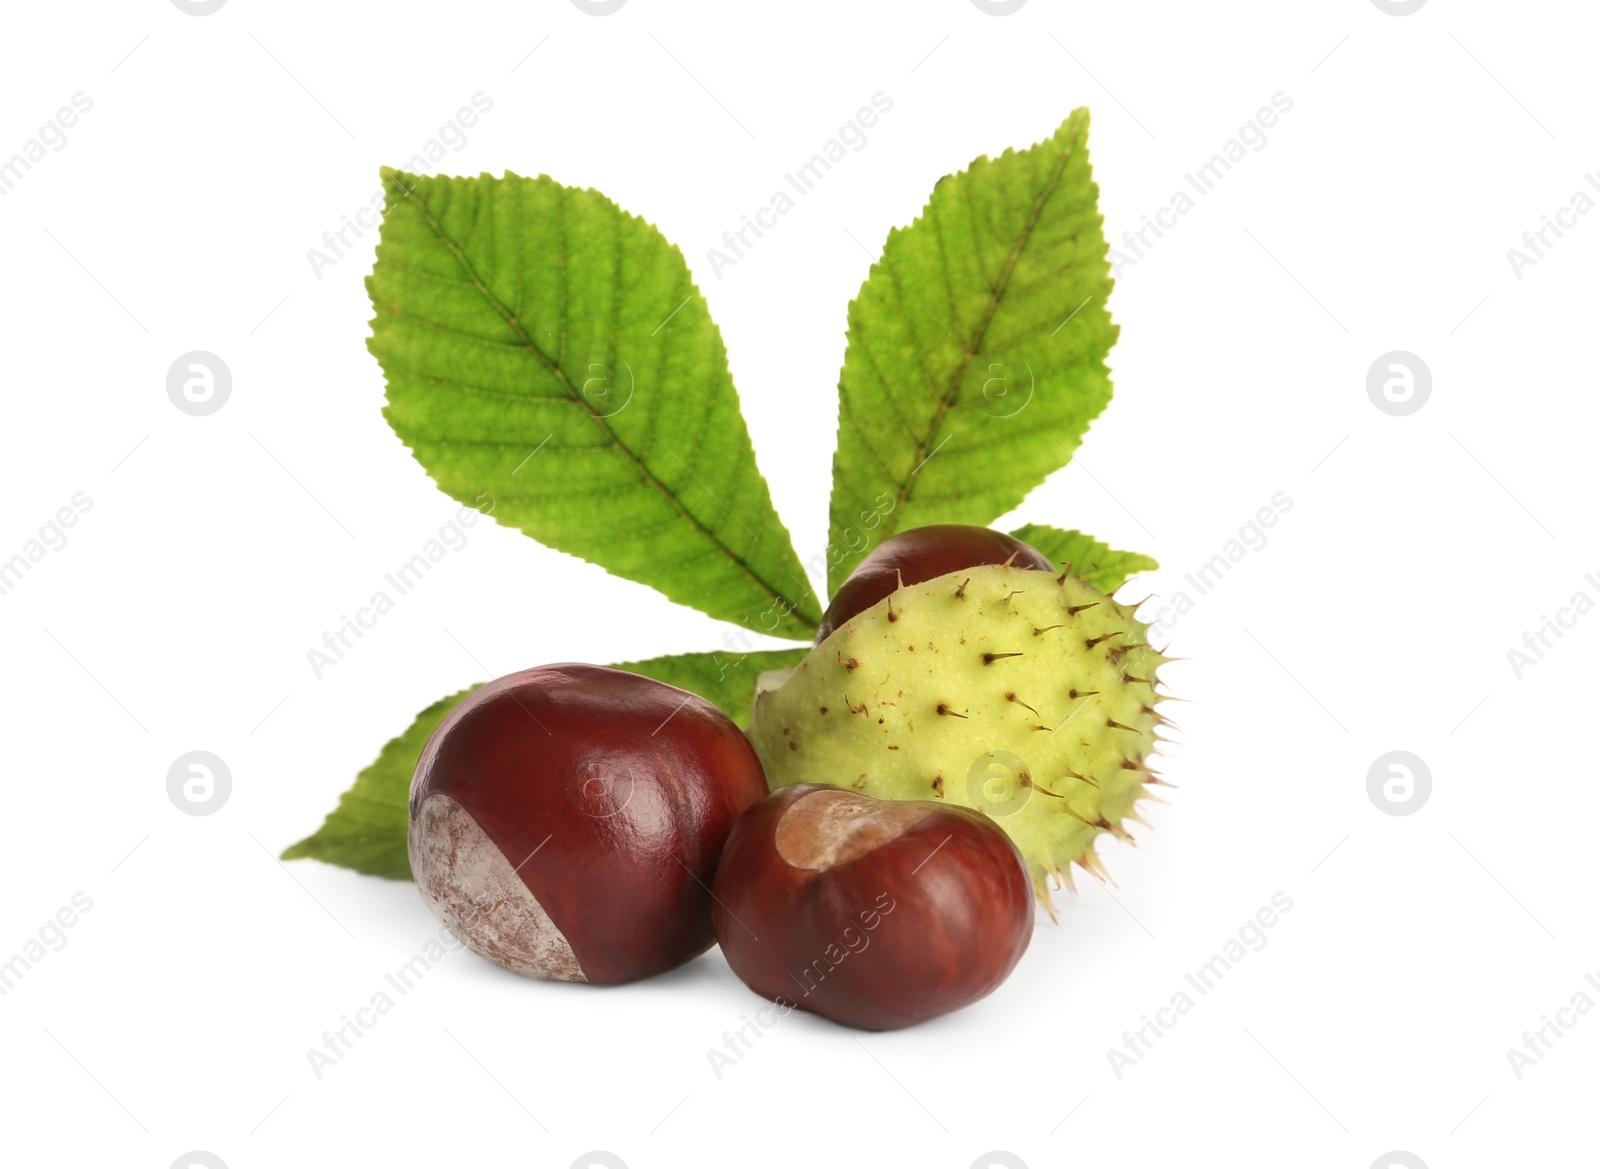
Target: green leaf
1101,566
726,680
977,346
367,831
551,362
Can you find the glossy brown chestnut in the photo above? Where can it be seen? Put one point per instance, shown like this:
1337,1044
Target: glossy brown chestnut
920,554
873,913
567,821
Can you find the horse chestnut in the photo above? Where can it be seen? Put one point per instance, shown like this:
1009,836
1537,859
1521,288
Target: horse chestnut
567,821
920,554
873,913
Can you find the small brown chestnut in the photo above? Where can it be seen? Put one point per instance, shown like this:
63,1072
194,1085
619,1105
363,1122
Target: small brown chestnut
873,913
920,554
567,821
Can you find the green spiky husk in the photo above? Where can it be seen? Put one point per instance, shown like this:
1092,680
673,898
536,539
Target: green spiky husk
1028,696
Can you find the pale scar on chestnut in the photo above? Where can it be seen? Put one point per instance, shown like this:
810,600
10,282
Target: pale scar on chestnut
471,887
829,828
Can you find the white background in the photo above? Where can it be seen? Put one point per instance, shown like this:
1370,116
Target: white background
1377,1017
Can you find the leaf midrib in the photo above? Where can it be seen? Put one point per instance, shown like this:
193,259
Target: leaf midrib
947,398
526,342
